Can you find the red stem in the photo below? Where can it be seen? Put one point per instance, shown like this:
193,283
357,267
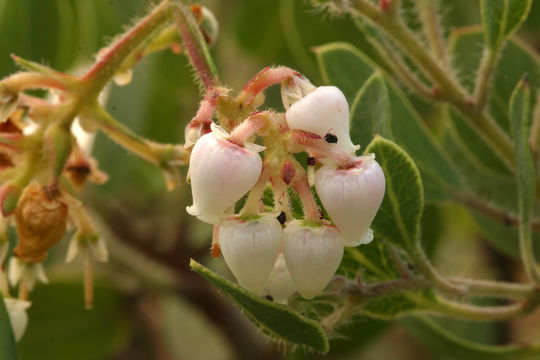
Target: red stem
264,79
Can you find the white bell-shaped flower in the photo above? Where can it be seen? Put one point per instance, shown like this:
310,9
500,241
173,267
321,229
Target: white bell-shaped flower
312,254
352,197
250,248
323,111
280,285
17,316
221,173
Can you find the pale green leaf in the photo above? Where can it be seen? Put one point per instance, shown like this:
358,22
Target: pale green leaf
475,146
517,58
344,66
501,18
519,121
8,348
278,321
370,111
398,219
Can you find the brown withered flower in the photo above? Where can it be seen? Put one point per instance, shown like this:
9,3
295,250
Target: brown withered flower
81,167
41,219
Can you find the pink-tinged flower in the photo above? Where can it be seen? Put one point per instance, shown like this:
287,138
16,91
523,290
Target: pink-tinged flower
250,248
280,284
352,197
221,173
312,254
324,112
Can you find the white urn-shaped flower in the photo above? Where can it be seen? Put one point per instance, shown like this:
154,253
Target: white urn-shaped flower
221,173
352,197
280,285
250,248
323,111
313,254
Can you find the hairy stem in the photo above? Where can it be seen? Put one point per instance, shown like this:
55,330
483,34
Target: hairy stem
428,11
482,313
107,66
496,289
449,88
251,207
483,78
301,186
426,268
148,150
195,47
400,68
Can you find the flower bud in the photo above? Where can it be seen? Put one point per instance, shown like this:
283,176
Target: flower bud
18,317
250,248
41,222
322,112
221,173
312,254
207,23
280,284
352,197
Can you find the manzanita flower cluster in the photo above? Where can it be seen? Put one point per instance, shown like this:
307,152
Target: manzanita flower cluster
237,155
268,249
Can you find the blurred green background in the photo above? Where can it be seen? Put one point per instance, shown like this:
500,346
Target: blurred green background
148,305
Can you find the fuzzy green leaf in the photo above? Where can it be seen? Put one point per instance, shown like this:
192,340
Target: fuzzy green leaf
370,111
475,146
372,258
278,321
349,69
501,18
398,219
482,174
516,59
344,66
8,347
400,304
519,121
442,341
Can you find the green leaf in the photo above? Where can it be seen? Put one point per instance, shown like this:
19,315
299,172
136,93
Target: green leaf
370,111
516,59
475,147
400,304
398,219
519,121
8,347
442,341
501,18
344,66
278,321
60,328
349,69
526,179
372,258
